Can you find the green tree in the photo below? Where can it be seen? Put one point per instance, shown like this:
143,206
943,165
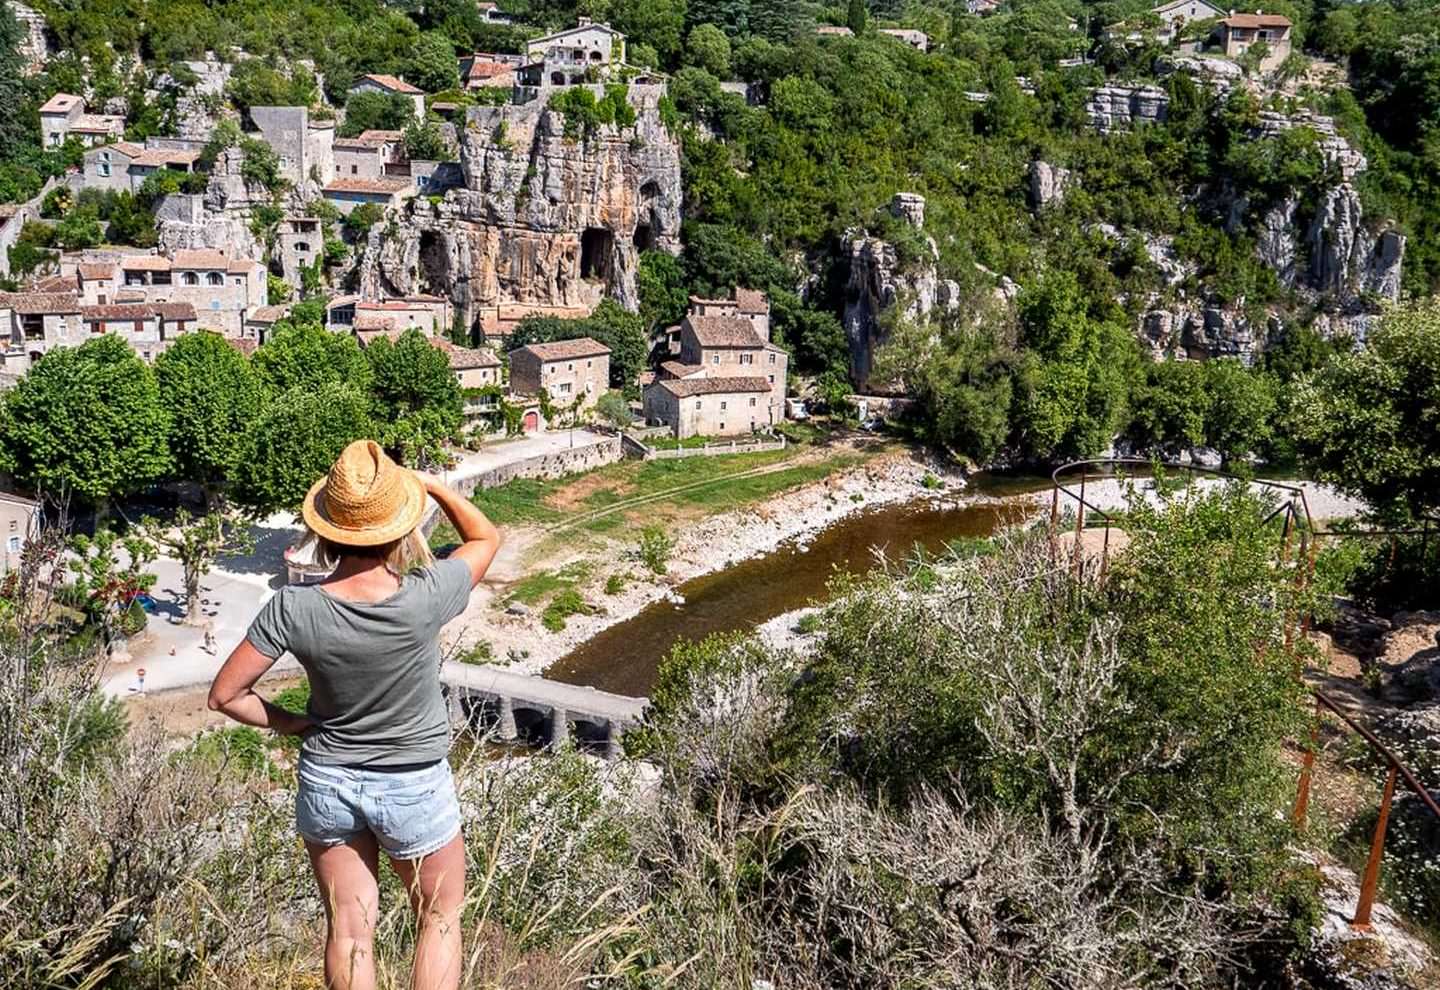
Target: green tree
294,441
357,222
1171,406
709,49
856,16
613,408
661,284
1242,408
657,23
1366,421
416,396
307,356
79,229
433,65
211,395
197,542
15,128
370,111
425,142
86,421
109,586
260,165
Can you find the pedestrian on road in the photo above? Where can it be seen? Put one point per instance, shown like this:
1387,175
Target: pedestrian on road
209,646
373,771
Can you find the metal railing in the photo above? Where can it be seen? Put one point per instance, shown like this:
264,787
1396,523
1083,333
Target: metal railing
1296,511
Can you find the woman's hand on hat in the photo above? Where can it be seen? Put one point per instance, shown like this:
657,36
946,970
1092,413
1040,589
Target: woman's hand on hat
432,484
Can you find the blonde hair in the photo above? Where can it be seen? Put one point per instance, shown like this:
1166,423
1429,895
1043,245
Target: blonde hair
400,557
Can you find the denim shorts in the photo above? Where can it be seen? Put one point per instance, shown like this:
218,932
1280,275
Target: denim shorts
411,812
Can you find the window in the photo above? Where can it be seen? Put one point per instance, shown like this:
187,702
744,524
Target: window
354,169
302,246
697,403
747,358
189,278
722,427
13,544
752,401
722,405
134,278
237,281
160,278
104,167
139,326
772,379
589,363
715,359
570,366
214,278
564,388
146,355
14,525
33,326
772,357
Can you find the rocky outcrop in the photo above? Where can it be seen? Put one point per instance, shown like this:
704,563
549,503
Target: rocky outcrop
541,218
1348,261
1276,240
34,43
1204,330
1119,108
1336,150
1048,184
878,281
1220,74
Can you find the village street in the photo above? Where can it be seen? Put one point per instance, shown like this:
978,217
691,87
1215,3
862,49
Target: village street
171,653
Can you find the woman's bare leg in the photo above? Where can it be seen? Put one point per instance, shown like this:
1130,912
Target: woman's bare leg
437,891
349,880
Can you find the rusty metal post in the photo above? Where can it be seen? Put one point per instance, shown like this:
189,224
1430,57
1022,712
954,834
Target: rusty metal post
1075,555
1307,771
1377,850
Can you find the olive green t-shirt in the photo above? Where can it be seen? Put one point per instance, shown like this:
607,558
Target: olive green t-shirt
374,667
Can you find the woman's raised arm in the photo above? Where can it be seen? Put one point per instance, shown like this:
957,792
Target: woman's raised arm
480,539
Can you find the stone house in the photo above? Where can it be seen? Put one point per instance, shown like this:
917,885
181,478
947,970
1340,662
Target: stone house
151,160
569,372
33,323
492,14
13,218
222,289
64,115
918,40
95,282
107,166
299,241
371,155
981,7
485,70
149,328
260,321
724,341
378,82
584,53
710,407
473,367
1175,14
388,192
303,146
20,519
1240,32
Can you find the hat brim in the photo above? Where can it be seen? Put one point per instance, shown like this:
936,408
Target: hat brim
406,517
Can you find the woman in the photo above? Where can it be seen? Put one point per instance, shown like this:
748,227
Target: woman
373,773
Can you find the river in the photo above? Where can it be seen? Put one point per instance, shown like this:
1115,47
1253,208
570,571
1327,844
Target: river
623,657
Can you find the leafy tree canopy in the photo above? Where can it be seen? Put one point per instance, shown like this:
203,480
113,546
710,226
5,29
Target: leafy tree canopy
293,442
212,396
307,356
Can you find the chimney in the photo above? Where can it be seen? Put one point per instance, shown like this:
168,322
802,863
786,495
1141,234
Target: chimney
582,22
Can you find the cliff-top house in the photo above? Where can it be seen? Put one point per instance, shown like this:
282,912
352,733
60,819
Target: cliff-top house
584,53
1240,32
378,82
63,115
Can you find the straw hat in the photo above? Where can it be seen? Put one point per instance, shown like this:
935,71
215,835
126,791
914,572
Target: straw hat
366,499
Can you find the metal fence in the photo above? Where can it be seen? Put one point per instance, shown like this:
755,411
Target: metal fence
1298,523
715,448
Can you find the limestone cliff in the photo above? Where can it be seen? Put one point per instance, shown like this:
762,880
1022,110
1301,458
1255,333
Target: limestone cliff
541,218
878,280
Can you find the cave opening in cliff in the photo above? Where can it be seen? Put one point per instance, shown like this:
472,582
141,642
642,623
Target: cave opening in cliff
433,263
597,248
644,238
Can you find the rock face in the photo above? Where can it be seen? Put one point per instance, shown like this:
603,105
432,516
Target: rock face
1119,108
541,218
1346,259
1220,74
34,44
1204,330
1276,241
878,280
219,218
1048,184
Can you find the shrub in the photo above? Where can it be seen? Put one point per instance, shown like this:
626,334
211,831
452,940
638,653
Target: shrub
615,583
655,549
567,602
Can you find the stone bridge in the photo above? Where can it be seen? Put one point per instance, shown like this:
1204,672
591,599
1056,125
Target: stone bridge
534,710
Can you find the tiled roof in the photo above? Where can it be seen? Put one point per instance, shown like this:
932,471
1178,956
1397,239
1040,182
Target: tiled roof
54,283
99,123
241,266
372,321
384,306
487,70
687,387
567,350
8,210
592,26
355,144
389,186
389,82
61,103
751,301
268,314
118,311
145,263
201,258
832,29
1256,20
40,303
176,310
677,369
95,271
465,358
245,345
723,331
166,156
383,137
125,148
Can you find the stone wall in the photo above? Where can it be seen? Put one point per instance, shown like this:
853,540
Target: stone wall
1119,108
597,451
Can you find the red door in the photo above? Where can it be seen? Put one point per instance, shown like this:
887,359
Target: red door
532,421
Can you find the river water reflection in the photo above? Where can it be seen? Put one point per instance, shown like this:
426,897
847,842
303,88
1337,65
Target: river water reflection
623,658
